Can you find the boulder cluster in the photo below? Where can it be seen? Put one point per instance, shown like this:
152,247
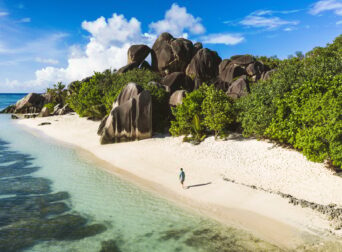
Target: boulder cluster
32,105
184,67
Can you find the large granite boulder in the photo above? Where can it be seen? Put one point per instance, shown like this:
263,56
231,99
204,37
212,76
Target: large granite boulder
44,112
267,75
137,53
204,66
178,80
31,103
171,55
177,97
64,110
242,60
238,88
129,121
229,71
255,69
131,89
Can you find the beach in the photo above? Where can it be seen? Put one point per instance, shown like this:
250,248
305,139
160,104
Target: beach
210,168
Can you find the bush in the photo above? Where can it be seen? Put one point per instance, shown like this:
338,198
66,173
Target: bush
95,97
204,110
300,104
218,111
50,107
188,115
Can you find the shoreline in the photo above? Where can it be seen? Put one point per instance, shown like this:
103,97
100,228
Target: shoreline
264,215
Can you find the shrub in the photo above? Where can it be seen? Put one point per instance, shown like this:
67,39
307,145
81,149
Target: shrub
188,115
204,110
300,104
95,97
218,111
50,107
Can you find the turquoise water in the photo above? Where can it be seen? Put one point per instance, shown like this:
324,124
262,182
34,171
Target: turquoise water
52,200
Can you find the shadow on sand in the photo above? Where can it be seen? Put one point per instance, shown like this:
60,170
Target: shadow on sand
204,184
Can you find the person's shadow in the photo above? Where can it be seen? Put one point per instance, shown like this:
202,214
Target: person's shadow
204,184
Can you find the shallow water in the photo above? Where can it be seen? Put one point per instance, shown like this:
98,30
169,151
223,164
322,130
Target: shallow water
52,200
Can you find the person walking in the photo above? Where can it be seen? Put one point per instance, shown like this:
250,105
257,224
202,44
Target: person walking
182,177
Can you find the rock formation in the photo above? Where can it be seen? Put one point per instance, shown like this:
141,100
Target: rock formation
137,53
171,55
130,118
178,80
238,88
203,66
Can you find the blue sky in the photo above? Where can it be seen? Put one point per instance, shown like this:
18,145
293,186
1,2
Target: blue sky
42,42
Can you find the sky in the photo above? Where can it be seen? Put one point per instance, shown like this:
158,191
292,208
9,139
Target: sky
44,42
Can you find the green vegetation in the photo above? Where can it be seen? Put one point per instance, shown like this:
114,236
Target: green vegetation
301,104
57,95
203,111
94,98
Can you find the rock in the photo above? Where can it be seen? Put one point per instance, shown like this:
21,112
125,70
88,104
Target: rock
178,80
137,53
128,67
171,55
44,123
243,60
238,88
48,98
197,46
177,97
267,75
131,90
14,117
229,71
255,68
65,110
131,120
204,66
44,112
56,109
31,103
32,115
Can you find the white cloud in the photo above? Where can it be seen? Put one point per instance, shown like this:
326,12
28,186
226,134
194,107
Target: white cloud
223,38
178,21
108,42
3,13
268,22
339,22
107,48
327,5
47,61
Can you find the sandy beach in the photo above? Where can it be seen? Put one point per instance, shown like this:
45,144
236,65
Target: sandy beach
154,164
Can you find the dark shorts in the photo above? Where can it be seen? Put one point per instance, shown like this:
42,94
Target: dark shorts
182,181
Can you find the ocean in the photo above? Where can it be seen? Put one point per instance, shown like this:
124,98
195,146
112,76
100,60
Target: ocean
51,199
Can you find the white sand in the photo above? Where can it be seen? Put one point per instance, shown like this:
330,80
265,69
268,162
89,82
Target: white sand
154,163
